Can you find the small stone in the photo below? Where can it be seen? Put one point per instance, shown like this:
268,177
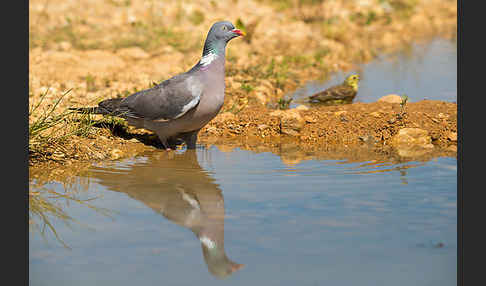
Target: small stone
375,114
412,142
302,107
262,126
452,136
98,155
116,154
212,129
342,112
236,85
310,119
442,116
58,155
367,139
390,98
64,46
168,49
291,122
412,136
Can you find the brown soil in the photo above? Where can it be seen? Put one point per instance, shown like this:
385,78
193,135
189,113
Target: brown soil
344,125
356,132
72,47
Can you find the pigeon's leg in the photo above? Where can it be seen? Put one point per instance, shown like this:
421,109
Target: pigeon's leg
191,138
163,140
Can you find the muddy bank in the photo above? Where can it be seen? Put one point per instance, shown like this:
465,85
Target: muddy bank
344,125
356,132
376,125
75,47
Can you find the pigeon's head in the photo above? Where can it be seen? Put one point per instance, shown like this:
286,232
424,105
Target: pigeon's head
223,31
218,36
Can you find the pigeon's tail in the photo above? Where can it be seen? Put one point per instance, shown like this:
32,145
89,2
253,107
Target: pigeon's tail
106,107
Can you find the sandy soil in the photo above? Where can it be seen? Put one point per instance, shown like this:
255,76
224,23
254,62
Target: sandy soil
104,49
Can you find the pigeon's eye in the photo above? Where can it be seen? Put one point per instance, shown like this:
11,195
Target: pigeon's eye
224,28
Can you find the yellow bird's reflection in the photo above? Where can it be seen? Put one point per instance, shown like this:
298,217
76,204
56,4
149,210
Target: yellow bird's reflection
176,186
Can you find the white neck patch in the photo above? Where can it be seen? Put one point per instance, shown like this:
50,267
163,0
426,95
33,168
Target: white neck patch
207,59
185,196
207,242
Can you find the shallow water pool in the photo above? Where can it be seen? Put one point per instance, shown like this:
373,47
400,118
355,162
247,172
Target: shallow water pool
245,218
198,217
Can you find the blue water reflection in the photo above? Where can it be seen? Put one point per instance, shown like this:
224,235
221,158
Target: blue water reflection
314,223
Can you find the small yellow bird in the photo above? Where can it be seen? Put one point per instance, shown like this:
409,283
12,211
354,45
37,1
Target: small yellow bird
342,93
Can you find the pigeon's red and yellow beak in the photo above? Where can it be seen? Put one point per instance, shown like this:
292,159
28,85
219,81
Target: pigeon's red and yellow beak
238,32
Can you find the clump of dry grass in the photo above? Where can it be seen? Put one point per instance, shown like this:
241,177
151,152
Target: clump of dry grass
49,126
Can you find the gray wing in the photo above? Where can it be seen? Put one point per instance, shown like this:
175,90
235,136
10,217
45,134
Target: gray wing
169,100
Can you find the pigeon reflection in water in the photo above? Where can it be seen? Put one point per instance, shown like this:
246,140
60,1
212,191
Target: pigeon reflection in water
176,186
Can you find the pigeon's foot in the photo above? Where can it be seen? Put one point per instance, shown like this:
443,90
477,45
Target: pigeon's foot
190,138
164,142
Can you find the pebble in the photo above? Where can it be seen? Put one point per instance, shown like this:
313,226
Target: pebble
442,116
367,139
310,119
412,136
64,46
236,85
116,154
291,122
452,136
390,98
58,155
412,142
211,129
262,126
375,114
302,107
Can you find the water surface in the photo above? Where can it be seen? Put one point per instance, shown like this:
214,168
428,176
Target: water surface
424,71
196,217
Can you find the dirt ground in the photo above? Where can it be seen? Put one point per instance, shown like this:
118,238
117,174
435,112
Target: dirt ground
104,49
355,132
